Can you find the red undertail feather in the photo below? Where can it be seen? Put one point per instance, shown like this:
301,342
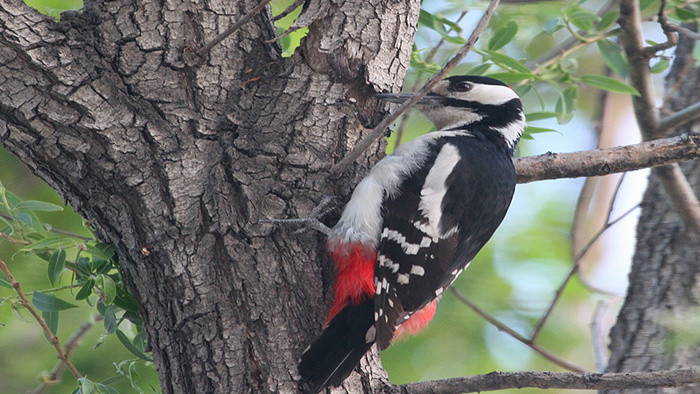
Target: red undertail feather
354,265
417,321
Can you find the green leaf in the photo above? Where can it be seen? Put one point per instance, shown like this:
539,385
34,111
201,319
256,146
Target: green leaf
110,321
49,303
50,243
503,36
56,264
101,250
133,317
109,289
533,116
126,301
508,62
660,66
130,346
607,20
583,19
4,283
612,56
455,40
534,130
479,69
84,265
643,4
683,15
609,84
89,387
100,266
51,321
509,78
85,290
33,205
566,104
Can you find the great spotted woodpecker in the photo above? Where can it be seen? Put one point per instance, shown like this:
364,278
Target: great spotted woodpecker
416,222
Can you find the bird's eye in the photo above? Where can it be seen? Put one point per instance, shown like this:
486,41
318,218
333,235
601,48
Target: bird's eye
463,87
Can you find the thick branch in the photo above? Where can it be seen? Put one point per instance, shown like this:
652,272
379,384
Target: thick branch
676,185
607,161
554,380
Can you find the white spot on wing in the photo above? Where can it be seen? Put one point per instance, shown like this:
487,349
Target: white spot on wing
400,239
402,279
438,292
371,334
417,270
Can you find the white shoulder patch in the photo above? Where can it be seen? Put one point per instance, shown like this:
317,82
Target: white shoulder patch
512,131
434,189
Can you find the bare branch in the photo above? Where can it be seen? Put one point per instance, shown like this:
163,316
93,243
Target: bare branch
211,44
607,161
553,380
502,327
71,344
684,31
52,338
681,197
678,119
365,143
671,37
574,270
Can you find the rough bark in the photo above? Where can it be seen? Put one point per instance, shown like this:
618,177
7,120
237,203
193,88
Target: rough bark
665,276
175,163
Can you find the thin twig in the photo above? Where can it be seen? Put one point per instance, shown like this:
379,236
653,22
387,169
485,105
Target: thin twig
70,345
574,270
572,41
54,230
206,48
365,143
553,380
680,118
556,360
671,37
611,205
419,80
684,31
14,240
608,161
52,338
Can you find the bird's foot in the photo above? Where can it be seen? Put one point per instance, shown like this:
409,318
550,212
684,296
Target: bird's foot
312,221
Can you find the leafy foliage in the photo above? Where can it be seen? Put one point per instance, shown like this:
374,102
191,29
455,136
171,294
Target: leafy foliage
90,268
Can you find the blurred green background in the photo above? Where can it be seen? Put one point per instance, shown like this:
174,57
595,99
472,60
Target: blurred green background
513,278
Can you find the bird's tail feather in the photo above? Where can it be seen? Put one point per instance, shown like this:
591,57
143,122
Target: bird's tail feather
336,352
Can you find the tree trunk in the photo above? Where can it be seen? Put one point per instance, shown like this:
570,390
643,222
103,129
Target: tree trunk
174,162
665,276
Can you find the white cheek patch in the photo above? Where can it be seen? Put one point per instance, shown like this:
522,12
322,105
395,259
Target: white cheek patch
489,94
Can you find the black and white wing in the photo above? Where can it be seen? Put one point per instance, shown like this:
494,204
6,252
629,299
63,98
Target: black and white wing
428,234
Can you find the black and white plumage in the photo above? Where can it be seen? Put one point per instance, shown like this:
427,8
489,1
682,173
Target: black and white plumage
421,215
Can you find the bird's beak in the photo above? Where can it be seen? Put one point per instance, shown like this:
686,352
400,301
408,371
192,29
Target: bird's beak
429,99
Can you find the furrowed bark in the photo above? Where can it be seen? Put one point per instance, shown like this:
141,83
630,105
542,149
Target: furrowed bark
174,162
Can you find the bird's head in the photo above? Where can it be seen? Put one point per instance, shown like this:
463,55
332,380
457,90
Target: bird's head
471,102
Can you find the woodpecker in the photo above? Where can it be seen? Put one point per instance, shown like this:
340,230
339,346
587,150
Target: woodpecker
416,221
